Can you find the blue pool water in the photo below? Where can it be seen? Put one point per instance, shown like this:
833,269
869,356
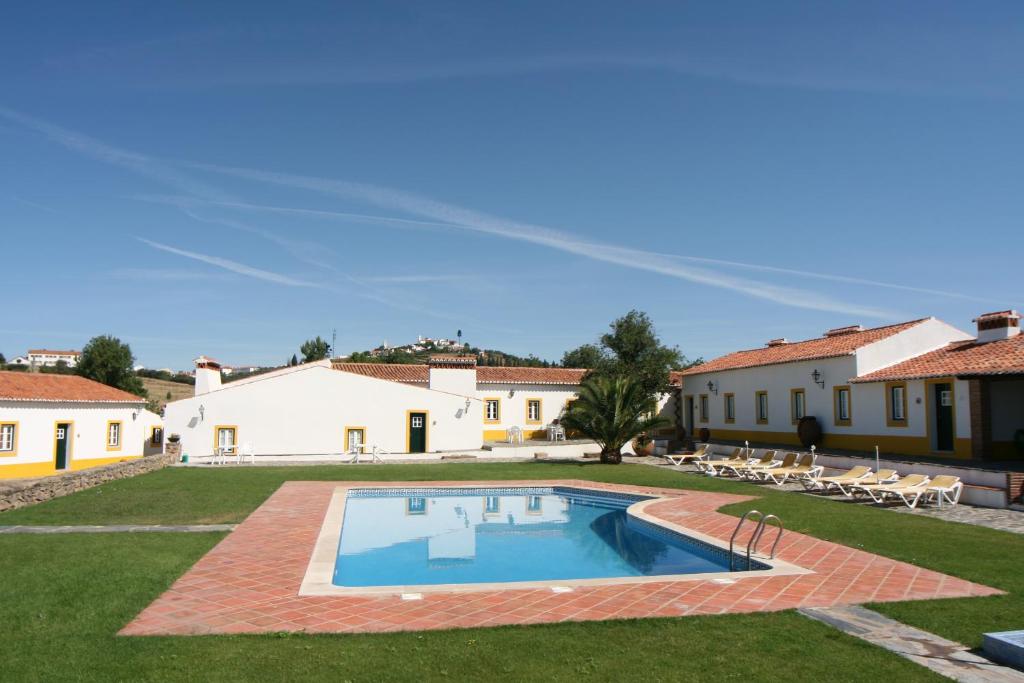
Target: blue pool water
442,536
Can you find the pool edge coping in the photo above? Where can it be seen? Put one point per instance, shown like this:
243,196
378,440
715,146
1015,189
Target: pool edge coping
318,577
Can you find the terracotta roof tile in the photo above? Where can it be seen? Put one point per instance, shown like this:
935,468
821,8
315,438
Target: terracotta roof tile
419,374
1003,357
55,353
25,386
810,349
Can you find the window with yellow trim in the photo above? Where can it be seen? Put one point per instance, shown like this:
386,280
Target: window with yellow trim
730,408
533,413
761,407
492,410
797,404
113,436
8,438
896,404
225,437
842,408
703,410
355,439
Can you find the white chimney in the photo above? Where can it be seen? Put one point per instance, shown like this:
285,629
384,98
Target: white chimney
453,374
781,341
996,326
207,375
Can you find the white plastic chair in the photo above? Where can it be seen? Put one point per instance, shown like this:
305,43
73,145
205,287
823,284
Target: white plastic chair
247,450
514,435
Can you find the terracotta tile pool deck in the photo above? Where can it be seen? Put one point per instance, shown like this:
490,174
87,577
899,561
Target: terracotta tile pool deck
249,582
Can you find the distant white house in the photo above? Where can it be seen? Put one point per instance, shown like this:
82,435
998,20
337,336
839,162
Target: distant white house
916,388
326,407
50,358
51,423
20,360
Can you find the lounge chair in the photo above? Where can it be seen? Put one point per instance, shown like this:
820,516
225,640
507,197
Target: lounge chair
769,459
683,458
804,469
711,467
882,476
850,476
910,489
944,488
756,470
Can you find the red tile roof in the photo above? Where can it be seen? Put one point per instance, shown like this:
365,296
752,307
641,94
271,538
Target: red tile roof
25,386
965,358
55,353
832,346
419,374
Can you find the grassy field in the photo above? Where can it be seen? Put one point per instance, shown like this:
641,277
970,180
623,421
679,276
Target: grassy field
157,389
71,593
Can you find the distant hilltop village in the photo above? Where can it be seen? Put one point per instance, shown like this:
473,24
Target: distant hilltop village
421,350
422,344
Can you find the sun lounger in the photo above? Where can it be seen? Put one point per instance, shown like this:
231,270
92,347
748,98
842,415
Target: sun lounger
768,460
755,471
682,458
712,467
909,489
804,469
850,476
944,488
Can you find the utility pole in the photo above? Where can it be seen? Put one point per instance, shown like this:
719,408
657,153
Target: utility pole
334,340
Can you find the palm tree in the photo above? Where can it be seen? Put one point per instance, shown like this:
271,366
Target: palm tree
611,411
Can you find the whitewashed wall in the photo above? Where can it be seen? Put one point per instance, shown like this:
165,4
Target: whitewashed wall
513,397
929,335
304,411
37,426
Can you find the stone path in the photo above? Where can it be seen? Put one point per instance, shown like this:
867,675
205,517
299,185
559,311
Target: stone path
942,656
115,528
993,518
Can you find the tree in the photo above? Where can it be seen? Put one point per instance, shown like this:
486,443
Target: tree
611,411
294,360
587,357
108,360
314,350
3,361
635,350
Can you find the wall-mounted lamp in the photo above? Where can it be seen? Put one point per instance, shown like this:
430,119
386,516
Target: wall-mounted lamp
712,387
202,412
818,378
135,415
467,404
511,393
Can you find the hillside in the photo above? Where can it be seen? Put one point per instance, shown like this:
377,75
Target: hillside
157,390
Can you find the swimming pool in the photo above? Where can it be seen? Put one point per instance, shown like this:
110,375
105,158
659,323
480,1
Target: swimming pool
432,536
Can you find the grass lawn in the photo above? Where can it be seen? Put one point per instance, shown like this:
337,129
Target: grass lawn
63,598
71,593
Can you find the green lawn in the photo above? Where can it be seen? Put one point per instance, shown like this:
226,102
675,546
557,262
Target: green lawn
71,593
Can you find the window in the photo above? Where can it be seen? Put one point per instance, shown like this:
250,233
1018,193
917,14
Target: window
841,410
896,404
355,438
415,506
8,438
534,505
761,404
156,437
492,410
797,404
113,436
492,505
703,407
225,436
533,410
730,408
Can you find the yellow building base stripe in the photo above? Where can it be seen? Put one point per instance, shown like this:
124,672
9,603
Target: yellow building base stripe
46,469
897,445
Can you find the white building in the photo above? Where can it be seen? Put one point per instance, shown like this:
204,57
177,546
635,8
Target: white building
50,358
51,423
325,408
917,388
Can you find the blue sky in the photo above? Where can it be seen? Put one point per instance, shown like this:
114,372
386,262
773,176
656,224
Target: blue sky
231,180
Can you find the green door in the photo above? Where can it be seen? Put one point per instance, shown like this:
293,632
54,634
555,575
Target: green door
417,432
943,416
61,438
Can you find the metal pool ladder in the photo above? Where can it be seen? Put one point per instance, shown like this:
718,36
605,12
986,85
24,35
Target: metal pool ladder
755,538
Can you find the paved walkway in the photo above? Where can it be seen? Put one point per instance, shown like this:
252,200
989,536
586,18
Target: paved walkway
942,656
249,583
993,518
115,528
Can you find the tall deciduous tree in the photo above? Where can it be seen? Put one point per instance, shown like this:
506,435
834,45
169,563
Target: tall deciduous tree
588,357
314,350
635,350
108,360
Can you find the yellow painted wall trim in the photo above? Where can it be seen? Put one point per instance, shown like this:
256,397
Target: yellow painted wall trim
69,455
426,430
354,429
216,435
889,421
497,419
703,409
757,407
725,408
895,445
120,435
48,468
836,419
793,417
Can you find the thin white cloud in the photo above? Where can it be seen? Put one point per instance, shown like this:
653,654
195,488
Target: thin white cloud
233,266
100,151
165,275
415,279
453,216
